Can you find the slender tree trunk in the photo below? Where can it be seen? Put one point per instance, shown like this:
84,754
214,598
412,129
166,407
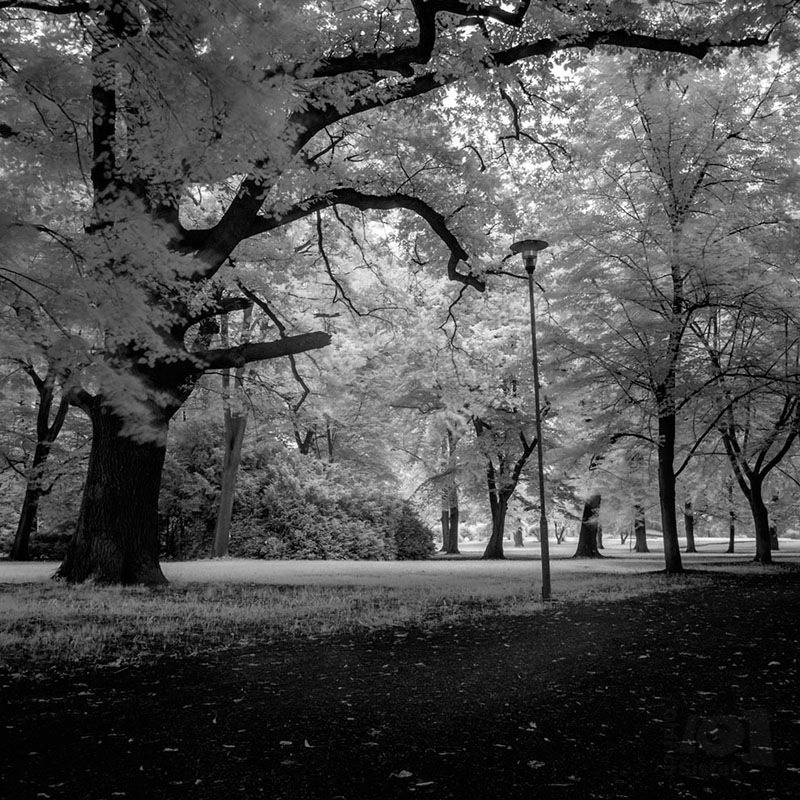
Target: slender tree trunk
494,547
452,528
640,529
731,531
731,519
758,508
773,537
449,526
666,491
688,523
235,419
450,511
235,425
46,433
587,536
30,505
117,540
518,538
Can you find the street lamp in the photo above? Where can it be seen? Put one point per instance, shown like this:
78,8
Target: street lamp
529,248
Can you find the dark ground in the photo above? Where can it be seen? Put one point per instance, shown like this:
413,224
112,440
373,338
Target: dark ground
693,694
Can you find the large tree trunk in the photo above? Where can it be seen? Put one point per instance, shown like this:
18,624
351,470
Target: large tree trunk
666,491
688,523
640,529
587,537
116,540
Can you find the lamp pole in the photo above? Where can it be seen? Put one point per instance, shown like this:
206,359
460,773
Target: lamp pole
529,248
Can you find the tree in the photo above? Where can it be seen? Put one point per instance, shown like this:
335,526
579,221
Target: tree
48,426
688,524
588,534
235,422
640,529
258,105
662,220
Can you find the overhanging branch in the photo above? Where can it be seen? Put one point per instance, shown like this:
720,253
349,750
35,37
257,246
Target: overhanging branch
364,201
234,357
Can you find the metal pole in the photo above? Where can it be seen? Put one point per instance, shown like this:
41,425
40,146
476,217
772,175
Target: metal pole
543,533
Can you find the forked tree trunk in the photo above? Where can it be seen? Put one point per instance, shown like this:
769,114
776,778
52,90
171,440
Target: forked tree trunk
116,540
688,522
640,530
587,536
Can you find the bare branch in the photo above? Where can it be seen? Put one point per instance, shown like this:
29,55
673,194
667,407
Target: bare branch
363,201
242,354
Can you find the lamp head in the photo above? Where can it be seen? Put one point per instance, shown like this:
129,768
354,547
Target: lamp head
529,248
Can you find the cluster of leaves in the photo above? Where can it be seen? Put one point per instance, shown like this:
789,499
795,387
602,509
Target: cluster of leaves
287,506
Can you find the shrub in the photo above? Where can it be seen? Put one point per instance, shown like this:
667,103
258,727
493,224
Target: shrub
287,506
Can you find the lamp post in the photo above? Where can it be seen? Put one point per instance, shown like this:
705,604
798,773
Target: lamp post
529,248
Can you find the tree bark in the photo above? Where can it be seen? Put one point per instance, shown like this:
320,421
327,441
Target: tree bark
666,491
587,537
640,530
688,523
235,423
731,519
731,531
20,550
773,537
46,433
499,504
116,540
758,508
518,538
450,508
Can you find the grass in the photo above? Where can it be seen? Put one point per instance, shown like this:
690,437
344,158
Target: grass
50,626
210,606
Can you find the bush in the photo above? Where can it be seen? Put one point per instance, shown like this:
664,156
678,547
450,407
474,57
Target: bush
287,506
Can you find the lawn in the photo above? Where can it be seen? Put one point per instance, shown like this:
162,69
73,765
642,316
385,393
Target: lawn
447,680
212,605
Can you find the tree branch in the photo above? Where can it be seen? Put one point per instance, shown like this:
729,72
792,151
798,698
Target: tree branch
61,8
364,201
242,354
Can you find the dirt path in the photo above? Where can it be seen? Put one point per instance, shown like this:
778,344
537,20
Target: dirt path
586,701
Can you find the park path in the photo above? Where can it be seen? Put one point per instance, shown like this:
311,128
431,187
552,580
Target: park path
586,701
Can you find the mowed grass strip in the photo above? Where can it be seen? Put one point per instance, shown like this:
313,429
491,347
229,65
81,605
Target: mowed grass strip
50,626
